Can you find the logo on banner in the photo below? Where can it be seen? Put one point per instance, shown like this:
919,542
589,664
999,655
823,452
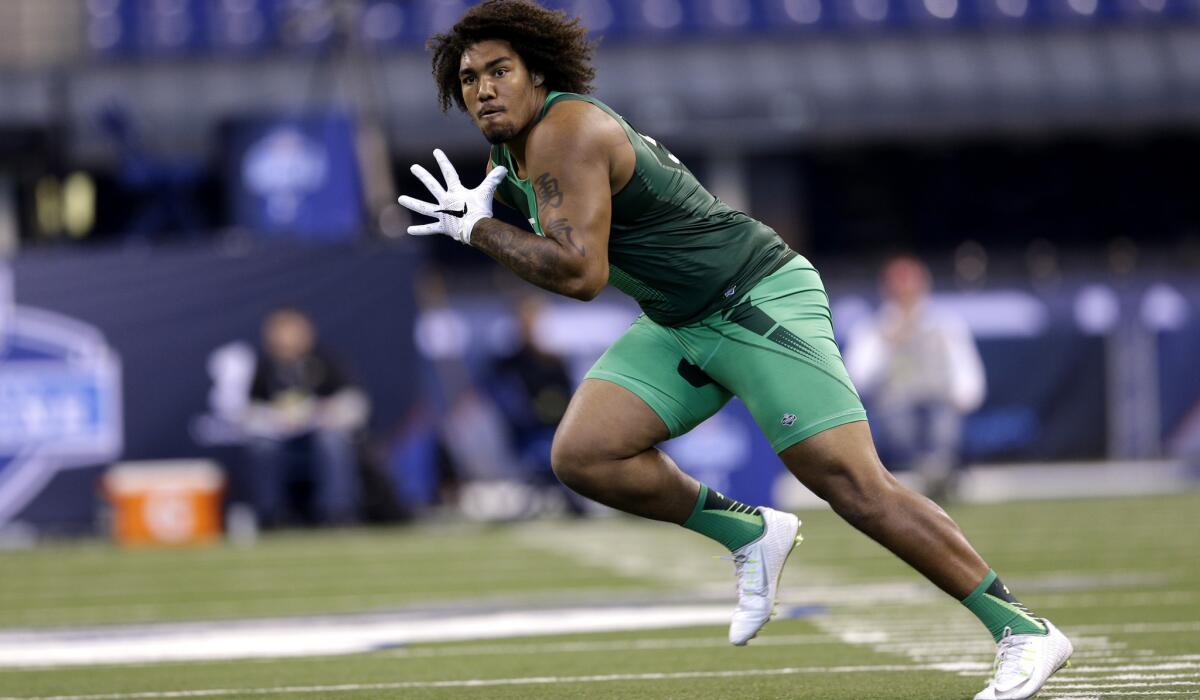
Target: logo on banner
59,399
284,168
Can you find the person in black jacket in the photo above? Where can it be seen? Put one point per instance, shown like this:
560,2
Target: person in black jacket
301,422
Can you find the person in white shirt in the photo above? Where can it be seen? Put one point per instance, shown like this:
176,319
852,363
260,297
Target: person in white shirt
919,369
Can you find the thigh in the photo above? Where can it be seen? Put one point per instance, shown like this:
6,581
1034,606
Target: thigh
649,362
606,421
780,358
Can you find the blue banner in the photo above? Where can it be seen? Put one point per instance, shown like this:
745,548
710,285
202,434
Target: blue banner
294,176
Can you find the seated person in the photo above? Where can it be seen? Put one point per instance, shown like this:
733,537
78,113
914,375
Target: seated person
921,374
532,388
300,424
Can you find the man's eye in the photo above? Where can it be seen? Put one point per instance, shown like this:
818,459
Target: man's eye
500,72
468,80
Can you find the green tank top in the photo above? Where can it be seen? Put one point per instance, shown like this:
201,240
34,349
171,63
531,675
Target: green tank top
674,247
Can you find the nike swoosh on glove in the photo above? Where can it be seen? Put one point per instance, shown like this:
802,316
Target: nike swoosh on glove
457,208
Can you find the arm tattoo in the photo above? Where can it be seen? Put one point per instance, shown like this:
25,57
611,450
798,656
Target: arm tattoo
550,262
548,193
561,230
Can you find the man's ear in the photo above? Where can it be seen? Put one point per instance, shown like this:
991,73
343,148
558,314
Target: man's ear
538,79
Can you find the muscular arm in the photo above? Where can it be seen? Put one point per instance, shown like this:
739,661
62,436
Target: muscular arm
569,157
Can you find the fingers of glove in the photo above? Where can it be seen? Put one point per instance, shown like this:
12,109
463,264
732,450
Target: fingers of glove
426,208
493,179
430,182
449,174
425,229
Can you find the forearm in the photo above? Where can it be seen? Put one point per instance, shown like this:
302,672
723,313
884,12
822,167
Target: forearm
554,262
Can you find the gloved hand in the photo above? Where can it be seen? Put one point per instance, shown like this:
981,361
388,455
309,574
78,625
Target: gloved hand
457,208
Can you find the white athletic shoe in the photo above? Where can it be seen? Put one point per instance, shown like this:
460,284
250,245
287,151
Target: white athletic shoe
1024,662
758,566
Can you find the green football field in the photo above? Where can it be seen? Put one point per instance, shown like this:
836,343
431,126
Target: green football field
608,607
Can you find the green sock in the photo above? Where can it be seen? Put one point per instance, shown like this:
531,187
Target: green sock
725,520
997,609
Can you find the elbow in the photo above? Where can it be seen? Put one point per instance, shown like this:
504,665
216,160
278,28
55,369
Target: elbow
586,286
583,291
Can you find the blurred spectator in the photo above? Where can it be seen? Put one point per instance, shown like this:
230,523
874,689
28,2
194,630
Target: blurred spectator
532,389
920,373
301,422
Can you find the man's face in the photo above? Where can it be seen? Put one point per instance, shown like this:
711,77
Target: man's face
905,281
499,91
288,336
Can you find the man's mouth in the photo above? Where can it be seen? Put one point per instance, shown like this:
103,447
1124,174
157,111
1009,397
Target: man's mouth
491,111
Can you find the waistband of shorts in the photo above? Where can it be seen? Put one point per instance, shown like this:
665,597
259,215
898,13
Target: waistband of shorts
793,261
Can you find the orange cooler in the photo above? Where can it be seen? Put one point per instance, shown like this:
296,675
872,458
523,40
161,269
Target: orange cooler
175,502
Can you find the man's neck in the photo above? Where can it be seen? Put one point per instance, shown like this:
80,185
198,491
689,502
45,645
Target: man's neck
516,145
516,148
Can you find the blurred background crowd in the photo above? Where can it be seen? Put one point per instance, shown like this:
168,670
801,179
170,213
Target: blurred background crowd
204,269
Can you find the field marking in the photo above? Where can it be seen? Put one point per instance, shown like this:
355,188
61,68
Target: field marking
1113,686
1138,628
491,682
330,635
1118,693
642,644
1135,677
223,609
614,645
888,629
1168,666
904,624
1119,688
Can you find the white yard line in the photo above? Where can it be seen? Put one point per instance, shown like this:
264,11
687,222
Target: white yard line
330,635
1120,693
1126,694
1110,686
1165,666
1139,628
489,682
1137,677
594,647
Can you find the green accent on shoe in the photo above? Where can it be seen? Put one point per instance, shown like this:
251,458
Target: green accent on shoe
729,522
997,609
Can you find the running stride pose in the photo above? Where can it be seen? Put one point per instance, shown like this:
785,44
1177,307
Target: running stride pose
729,310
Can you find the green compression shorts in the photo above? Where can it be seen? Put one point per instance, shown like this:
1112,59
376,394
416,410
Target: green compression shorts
774,350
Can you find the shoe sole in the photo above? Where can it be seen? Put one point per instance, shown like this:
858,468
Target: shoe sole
778,581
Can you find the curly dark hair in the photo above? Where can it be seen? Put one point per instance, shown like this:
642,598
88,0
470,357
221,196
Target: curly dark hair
548,41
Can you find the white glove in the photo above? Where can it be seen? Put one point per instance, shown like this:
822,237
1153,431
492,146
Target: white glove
457,208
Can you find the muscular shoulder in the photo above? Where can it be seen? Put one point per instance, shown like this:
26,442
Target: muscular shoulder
578,132
576,129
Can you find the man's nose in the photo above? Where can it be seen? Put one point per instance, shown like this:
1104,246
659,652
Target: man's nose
487,89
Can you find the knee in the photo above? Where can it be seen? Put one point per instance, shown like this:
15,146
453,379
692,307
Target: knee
861,496
568,459
571,459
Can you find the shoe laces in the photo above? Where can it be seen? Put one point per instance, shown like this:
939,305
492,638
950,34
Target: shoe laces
1011,662
747,573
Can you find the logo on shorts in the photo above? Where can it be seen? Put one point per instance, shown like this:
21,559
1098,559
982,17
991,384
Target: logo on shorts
731,291
788,419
